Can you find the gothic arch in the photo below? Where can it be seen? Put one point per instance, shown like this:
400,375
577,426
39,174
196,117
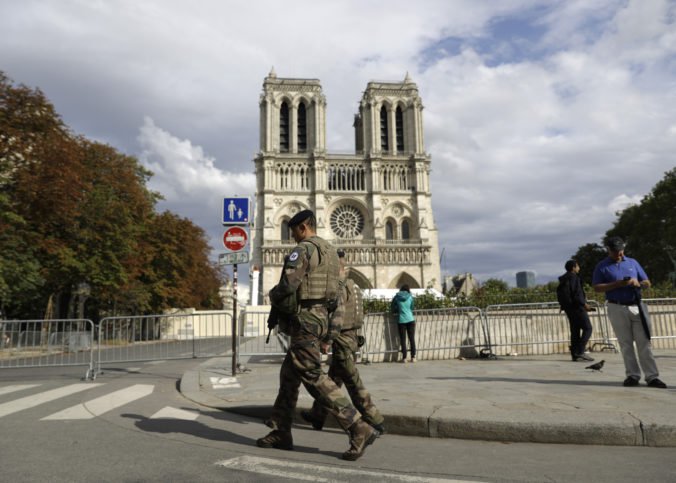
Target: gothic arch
404,279
287,210
390,228
407,229
359,279
398,211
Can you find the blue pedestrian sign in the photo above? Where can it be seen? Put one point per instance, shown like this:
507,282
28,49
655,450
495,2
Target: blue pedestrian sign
236,211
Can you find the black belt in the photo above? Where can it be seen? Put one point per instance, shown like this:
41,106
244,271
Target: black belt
307,303
628,304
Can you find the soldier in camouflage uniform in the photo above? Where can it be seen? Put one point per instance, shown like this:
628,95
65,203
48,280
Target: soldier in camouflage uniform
310,276
343,368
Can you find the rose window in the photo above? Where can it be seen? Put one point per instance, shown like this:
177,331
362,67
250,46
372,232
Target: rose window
347,221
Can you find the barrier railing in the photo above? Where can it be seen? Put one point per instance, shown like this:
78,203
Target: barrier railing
47,343
251,339
440,334
539,328
662,313
527,329
168,336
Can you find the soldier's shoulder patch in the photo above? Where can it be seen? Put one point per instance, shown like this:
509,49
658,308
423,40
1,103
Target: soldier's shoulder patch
294,256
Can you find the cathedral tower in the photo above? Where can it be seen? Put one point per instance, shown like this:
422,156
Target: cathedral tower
375,204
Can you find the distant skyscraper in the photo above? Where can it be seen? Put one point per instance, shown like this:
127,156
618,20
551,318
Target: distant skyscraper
525,279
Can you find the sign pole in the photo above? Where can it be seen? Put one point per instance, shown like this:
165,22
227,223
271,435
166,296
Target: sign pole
234,320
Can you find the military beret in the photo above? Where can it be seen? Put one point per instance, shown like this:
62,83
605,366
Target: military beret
300,217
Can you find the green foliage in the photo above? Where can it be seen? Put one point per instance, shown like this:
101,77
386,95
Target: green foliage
372,306
649,229
76,213
587,256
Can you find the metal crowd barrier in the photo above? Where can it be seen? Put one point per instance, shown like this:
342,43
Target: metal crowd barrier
440,334
251,338
47,343
540,328
526,329
662,313
168,336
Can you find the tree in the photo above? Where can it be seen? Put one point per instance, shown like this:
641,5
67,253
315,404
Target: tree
649,229
179,273
78,214
587,256
495,285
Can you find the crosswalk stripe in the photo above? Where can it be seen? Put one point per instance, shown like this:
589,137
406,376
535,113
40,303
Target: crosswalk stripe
175,413
17,387
103,404
43,397
313,472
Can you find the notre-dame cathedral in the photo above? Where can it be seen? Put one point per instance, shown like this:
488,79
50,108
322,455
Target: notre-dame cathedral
375,204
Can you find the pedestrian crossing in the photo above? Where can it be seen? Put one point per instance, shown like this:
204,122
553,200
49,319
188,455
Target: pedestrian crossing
113,398
299,471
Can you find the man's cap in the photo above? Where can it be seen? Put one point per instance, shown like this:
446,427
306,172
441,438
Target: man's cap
615,243
341,253
300,217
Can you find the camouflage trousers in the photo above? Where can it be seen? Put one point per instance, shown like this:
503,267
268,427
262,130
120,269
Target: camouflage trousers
343,370
302,364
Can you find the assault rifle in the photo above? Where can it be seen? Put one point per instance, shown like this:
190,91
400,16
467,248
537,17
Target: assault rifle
283,317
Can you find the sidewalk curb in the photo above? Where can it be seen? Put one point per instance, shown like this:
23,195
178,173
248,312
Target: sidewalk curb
611,427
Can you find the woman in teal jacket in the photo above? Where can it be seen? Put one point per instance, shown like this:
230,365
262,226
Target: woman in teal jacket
402,305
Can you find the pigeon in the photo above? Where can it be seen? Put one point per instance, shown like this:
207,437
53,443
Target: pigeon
596,367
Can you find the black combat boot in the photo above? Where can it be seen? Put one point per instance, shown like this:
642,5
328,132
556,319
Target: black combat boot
314,421
361,435
276,439
380,428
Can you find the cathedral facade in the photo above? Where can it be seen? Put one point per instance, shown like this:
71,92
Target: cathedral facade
375,204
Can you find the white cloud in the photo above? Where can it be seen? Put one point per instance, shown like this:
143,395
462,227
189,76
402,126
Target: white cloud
622,202
543,118
188,179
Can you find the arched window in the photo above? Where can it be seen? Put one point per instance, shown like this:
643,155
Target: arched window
405,230
389,230
302,129
399,116
384,141
285,231
284,128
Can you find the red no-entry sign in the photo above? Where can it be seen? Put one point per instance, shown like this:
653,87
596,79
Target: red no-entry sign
235,238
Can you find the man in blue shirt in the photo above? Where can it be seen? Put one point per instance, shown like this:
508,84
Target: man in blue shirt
621,279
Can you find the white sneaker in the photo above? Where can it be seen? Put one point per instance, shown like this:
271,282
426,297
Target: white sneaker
412,359
402,361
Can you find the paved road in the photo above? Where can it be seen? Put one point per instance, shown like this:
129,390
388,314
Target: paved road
132,424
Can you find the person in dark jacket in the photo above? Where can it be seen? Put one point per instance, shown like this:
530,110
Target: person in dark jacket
576,309
402,307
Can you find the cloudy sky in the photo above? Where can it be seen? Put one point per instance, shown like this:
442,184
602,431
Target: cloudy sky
543,117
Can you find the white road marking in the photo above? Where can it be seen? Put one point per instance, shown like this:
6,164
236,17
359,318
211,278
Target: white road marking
43,397
311,472
224,382
133,369
103,404
154,363
174,413
18,387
